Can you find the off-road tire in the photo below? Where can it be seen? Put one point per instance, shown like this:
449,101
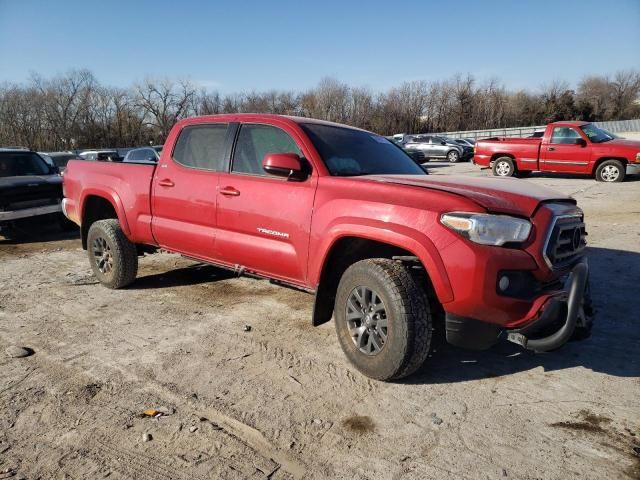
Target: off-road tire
123,254
503,167
407,310
604,172
453,156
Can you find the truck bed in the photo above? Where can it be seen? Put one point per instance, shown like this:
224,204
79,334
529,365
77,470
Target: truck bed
524,150
128,184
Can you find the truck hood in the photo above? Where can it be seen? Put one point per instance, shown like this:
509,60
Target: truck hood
623,142
497,195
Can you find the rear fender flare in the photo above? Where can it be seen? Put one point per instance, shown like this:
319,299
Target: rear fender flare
112,197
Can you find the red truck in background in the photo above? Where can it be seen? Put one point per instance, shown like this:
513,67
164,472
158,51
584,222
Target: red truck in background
348,216
565,147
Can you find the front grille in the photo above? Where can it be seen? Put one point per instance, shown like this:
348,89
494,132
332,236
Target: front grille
566,241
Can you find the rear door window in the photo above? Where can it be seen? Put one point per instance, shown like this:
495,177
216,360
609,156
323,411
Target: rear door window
202,146
254,142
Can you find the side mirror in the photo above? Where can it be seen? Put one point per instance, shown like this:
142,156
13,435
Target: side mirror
288,165
443,143
54,169
581,141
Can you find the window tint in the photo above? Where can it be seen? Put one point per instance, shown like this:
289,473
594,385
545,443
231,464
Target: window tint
254,142
201,146
348,152
564,135
17,164
135,155
147,154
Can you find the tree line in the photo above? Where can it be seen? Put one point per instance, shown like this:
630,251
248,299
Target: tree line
74,110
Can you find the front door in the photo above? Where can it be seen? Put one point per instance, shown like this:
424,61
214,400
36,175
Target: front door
263,220
562,154
184,191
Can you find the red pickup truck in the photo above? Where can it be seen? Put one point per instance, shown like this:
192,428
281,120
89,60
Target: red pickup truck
565,147
346,215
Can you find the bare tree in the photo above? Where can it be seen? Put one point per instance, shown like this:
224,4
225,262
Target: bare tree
164,102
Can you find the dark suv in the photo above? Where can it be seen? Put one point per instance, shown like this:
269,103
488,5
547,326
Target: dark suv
29,187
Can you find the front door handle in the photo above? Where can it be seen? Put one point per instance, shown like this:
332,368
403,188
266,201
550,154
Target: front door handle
166,182
551,149
230,192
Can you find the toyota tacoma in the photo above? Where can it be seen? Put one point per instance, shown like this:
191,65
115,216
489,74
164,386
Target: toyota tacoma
347,216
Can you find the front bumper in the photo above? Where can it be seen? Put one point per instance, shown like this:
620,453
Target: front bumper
29,212
550,327
573,298
633,168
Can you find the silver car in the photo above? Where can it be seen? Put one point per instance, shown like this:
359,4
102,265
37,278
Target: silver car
435,146
142,155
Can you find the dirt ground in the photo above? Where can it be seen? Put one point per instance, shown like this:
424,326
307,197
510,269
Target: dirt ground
281,401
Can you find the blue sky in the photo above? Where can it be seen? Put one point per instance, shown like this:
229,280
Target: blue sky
248,45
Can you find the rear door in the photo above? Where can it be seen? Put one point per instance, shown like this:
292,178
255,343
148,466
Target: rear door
561,154
184,191
263,220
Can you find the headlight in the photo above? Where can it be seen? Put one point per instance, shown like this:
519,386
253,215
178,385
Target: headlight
638,157
488,229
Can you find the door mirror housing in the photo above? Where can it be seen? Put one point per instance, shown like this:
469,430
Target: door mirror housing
581,141
288,165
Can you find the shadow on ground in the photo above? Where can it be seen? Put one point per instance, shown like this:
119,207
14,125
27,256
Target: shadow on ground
612,348
38,231
190,275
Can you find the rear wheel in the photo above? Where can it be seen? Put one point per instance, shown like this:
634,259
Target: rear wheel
113,257
503,167
383,321
610,171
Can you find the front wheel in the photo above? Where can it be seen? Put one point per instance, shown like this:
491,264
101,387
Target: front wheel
503,167
383,320
610,171
113,257
453,156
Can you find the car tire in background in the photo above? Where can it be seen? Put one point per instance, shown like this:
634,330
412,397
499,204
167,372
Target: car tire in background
113,257
503,167
382,318
453,156
610,171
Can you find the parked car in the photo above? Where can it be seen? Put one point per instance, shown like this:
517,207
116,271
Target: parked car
565,147
142,155
417,155
462,141
48,160
437,147
60,159
101,155
29,188
344,214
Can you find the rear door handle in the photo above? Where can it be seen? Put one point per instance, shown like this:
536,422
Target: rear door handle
230,192
166,182
551,149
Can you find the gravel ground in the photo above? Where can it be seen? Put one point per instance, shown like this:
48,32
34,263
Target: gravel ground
280,401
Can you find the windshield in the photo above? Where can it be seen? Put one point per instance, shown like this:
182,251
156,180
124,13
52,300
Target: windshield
595,134
349,152
20,164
